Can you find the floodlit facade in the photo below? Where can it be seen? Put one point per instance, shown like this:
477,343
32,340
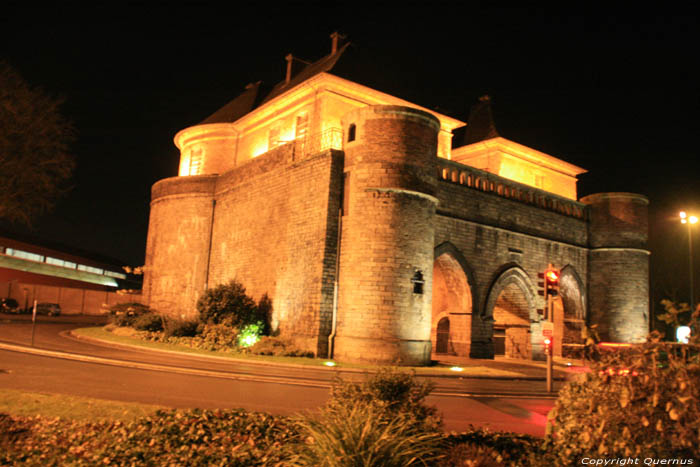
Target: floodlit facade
376,240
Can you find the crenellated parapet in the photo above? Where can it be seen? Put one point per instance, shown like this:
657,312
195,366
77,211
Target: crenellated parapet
486,182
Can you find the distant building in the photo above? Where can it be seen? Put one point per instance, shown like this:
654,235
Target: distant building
376,240
79,281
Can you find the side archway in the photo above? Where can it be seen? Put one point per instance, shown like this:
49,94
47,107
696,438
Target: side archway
452,302
510,309
574,310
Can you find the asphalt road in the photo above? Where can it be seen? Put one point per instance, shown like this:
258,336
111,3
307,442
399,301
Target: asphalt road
182,381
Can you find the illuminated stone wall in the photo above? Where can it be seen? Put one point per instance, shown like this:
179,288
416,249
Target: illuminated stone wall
272,227
177,248
387,238
619,263
502,233
274,231
271,222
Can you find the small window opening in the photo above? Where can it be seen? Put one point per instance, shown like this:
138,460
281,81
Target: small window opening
418,282
351,132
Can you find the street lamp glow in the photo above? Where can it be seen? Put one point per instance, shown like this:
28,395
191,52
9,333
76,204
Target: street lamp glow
682,334
689,220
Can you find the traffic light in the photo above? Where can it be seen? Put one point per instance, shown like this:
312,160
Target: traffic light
551,282
548,284
548,345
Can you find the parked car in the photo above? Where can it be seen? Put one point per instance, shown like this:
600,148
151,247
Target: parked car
50,309
9,305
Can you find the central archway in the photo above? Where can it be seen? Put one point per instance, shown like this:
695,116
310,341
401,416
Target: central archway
452,303
511,309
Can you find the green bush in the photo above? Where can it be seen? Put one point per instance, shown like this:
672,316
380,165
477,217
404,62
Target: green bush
150,321
362,435
227,301
396,391
641,401
279,347
124,314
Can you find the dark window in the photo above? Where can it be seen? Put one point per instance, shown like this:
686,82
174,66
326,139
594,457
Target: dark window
418,282
351,132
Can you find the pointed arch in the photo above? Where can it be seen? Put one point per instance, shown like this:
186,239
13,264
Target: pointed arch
510,311
572,293
453,301
573,316
453,251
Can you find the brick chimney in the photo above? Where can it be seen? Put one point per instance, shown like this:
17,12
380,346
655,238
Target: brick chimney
289,59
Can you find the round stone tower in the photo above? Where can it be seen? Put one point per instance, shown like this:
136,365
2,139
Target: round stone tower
618,266
386,251
177,249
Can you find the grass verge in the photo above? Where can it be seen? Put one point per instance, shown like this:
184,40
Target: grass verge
30,404
102,334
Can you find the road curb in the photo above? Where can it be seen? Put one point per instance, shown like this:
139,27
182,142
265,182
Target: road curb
155,367
456,375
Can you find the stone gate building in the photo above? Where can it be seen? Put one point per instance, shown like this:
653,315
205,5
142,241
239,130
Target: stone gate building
376,240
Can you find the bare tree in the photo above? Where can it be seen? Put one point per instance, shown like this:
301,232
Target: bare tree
34,137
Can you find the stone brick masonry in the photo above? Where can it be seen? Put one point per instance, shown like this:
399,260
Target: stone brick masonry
273,224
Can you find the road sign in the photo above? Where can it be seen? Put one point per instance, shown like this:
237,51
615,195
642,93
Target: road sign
547,328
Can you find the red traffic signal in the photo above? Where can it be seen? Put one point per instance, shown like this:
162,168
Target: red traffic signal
547,345
551,282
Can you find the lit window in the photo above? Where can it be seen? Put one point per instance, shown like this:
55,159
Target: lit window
118,275
82,267
54,261
195,162
24,255
302,126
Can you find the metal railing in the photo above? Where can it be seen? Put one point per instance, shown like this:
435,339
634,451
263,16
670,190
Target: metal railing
332,138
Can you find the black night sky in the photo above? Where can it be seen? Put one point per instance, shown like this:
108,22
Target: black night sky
615,92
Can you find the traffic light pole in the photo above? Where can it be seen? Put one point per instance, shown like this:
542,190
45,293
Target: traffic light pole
551,344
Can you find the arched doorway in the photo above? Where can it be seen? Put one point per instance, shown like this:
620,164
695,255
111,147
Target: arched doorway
452,303
443,336
511,307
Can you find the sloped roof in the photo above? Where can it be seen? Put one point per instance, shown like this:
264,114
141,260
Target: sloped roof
238,107
326,64
256,95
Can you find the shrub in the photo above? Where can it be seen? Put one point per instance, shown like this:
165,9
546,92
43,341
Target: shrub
472,454
173,437
150,321
396,391
124,314
481,447
362,435
230,302
279,347
644,400
220,336
181,328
